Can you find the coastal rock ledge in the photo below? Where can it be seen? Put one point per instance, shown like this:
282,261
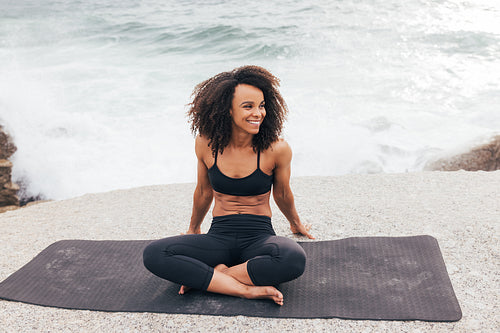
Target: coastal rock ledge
485,158
8,190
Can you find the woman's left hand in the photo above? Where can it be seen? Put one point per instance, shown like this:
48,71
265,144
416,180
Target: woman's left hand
302,229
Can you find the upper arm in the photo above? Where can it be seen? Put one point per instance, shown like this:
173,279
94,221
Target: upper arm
201,149
282,170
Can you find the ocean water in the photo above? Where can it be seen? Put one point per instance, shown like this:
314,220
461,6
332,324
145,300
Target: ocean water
94,92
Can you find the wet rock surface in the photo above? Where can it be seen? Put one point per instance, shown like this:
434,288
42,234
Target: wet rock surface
8,190
485,157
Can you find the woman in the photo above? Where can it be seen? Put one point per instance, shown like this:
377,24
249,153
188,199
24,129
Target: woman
238,117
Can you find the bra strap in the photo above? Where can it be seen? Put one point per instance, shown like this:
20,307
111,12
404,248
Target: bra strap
216,153
258,159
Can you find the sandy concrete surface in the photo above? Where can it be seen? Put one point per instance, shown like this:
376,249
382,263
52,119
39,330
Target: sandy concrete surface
461,209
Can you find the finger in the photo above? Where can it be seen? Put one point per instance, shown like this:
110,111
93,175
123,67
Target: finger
304,233
310,236
307,227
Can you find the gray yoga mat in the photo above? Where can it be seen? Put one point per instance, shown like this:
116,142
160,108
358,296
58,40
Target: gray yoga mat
381,278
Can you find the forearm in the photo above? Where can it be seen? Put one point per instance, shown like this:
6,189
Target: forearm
202,200
286,203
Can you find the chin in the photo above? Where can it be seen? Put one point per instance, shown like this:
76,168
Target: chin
255,131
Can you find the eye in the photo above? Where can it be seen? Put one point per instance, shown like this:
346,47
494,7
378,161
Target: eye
263,105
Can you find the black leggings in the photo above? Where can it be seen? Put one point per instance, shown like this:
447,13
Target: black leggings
231,240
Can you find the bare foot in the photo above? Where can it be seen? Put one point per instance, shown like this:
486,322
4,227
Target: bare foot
183,290
257,292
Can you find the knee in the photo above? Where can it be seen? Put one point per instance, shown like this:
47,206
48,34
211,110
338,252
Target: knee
150,256
295,260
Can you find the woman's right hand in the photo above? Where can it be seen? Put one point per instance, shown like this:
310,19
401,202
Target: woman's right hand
302,229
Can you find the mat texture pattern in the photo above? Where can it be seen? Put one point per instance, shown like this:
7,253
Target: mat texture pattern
388,278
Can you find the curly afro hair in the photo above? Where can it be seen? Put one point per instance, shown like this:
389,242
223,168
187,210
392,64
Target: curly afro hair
209,111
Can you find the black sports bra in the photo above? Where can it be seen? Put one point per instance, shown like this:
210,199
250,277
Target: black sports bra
258,182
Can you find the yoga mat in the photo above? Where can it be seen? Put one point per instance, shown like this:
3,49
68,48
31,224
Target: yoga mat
389,278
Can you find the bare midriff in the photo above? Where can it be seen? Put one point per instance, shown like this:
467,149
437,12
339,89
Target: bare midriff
226,204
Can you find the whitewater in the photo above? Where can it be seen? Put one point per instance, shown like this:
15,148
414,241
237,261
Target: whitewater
95,93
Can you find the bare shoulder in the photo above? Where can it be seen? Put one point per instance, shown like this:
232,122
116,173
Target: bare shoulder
201,140
281,151
201,147
281,147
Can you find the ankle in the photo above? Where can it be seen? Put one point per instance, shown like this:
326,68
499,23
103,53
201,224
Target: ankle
248,291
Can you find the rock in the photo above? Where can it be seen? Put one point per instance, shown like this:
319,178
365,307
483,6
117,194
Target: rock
11,187
5,164
485,157
5,171
7,147
8,190
8,198
5,178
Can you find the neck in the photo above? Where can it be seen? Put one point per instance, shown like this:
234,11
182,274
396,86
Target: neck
240,139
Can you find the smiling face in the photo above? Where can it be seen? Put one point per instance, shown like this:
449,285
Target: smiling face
247,109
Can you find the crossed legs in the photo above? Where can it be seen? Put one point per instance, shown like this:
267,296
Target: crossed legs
199,261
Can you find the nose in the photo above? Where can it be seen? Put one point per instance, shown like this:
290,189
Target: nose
258,112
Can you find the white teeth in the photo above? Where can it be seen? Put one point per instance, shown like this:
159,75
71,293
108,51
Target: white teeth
256,122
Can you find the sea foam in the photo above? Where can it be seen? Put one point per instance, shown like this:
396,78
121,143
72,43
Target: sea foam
95,93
